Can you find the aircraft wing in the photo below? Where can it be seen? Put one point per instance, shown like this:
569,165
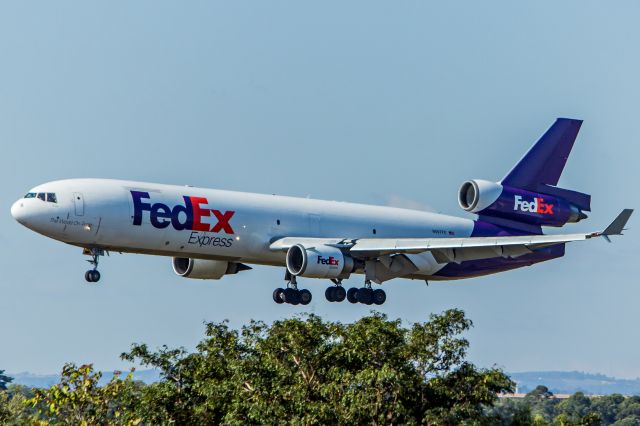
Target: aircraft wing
452,249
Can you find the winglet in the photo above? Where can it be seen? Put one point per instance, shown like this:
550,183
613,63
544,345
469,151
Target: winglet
617,226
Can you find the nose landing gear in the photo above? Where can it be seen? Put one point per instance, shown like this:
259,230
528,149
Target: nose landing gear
93,275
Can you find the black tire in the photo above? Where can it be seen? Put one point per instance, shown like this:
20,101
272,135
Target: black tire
291,296
352,295
339,294
305,297
95,276
87,276
278,295
330,293
379,296
365,296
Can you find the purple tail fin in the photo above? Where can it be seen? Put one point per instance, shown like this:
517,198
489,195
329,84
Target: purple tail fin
540,169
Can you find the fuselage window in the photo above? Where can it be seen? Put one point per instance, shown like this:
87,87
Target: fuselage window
51,197
30,195
41,196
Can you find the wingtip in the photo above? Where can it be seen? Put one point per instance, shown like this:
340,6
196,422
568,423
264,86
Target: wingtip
618,225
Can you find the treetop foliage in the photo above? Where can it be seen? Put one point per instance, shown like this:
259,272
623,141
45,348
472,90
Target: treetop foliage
309,371
302,370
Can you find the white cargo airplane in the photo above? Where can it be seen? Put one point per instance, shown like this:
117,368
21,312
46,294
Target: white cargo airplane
210,233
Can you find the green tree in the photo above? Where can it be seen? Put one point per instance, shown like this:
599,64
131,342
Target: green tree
608,407
309,371
542,403
629,409
511,412
576,407
79,400
4,380
13,410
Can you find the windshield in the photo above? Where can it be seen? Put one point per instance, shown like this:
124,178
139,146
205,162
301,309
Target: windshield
49,197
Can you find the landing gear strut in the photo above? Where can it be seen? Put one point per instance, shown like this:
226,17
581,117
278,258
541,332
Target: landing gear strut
93,275
291,294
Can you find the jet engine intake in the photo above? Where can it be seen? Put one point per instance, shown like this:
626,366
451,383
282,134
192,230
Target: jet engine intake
491,199
476,195
318,262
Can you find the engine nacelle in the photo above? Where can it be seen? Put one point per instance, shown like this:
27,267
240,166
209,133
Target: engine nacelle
496,200
318,262
204,269
477,195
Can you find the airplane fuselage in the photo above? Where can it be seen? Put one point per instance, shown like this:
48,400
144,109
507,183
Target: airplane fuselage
184,221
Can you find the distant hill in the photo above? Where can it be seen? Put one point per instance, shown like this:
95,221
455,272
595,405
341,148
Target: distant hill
556,381
574,381
47,380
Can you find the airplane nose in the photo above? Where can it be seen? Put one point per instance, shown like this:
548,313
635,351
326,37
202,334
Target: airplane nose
18,211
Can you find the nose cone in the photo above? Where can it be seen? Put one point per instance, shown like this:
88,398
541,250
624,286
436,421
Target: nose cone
18,211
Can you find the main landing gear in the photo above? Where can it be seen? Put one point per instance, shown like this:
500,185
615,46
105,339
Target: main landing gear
366,295
93,275
291,294
336,293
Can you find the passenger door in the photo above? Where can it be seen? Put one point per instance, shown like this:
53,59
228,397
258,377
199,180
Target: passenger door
78,200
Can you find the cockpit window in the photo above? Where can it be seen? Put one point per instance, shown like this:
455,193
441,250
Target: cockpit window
49,197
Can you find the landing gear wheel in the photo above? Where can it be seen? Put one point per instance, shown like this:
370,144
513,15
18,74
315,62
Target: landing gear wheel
92,276
291,296
379,296
352,295
339,294
278,295
330,294
304,296
365,295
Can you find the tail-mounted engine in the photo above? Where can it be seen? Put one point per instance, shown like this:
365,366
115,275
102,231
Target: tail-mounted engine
318,262
497,200
205,269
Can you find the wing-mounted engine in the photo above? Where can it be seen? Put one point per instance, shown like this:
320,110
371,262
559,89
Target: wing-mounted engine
205,269
552,208
319,262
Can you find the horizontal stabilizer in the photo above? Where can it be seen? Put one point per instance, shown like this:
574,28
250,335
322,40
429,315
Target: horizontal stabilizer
617,226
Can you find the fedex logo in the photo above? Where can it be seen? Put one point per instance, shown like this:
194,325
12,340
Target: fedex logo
331,261
536,206
192,211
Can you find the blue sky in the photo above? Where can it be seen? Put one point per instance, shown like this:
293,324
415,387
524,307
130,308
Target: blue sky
377,102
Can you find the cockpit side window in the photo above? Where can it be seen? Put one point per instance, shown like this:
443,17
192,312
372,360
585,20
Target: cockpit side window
30,195
41,196
51,197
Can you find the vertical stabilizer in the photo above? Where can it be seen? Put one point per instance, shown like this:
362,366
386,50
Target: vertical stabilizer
540,169
544,162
